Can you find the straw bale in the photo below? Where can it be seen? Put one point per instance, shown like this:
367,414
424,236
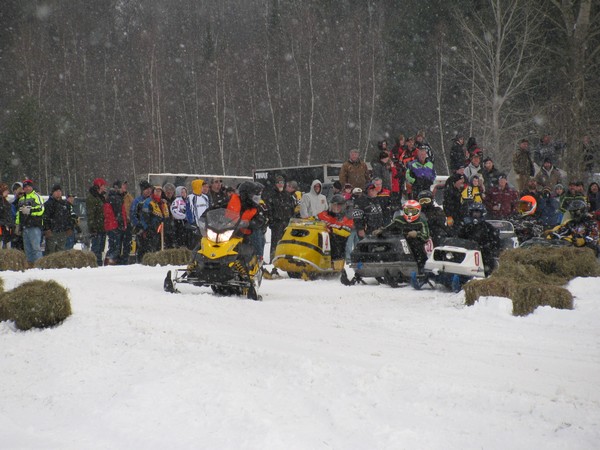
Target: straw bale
12,259
172,256
68,259
37,303
526,298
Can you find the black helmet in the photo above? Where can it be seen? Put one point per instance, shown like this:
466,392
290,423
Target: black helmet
425,197
338,199
250,192
578,209
476,212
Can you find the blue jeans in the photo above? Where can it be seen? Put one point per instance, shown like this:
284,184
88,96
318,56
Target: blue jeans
32,238
98,242
351,243
115,240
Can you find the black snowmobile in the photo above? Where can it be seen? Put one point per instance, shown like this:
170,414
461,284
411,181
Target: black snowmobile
386,257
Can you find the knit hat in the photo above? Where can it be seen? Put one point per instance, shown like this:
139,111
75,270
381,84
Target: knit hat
279,178
16,185
56,187
502,175
100,182
170,187
559,186
27,182
144,185
337,185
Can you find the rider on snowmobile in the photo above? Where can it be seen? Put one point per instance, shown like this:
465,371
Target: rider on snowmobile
476,229
581,229
246,204
526,222
338,224
413,225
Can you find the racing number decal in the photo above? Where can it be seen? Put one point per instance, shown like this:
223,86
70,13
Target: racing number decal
326,243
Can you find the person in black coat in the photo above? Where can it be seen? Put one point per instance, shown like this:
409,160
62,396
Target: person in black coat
458,155
279,205
453,202
476,229
58,224
435,216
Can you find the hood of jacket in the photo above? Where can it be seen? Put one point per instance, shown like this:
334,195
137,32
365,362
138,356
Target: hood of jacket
197,186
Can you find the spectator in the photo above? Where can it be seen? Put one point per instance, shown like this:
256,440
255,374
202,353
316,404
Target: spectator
474,167
472,193
95,217
279,210
135,214
548,176
382,169
574,192
30,221
179,213
128,235
115,224
384,200
198,203
490,174
71,239
17,190
550,214
593,195
435,217
58,223
154,214
336,188
547,148
354,171
458,153
216,194
420,174
313,202
292,188
7,222
500,201
420,142
169,225
367,213
523,165
452,202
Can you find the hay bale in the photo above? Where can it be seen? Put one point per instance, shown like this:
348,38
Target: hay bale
12,259
555,265
69,259
526,298
172,256
495,286
37,303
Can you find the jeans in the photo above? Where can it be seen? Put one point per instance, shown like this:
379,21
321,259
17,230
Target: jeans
115,240
97,247
32,238
351,243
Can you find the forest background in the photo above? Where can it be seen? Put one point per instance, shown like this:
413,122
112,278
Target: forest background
120,88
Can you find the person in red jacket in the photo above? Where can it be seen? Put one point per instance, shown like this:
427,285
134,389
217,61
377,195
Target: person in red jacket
338,224
115,224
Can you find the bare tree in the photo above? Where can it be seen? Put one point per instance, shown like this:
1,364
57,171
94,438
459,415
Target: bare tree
502,45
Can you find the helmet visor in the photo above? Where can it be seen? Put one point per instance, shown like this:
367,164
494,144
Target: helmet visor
409,211
523,207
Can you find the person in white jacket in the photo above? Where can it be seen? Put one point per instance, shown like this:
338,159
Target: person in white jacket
313,202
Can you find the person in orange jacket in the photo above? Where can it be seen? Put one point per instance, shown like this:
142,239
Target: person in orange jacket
338,224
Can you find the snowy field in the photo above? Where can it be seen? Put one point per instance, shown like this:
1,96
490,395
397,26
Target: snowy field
315,365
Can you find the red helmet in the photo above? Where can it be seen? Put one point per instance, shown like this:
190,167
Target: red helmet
527,205
411,210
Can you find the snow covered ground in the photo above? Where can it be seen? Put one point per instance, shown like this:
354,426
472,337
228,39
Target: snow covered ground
314,365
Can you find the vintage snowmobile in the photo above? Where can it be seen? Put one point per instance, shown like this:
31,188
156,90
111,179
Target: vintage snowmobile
222,261
304,251
386,257
457,260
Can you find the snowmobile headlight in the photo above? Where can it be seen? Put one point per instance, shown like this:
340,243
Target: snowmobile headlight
449,256
219,237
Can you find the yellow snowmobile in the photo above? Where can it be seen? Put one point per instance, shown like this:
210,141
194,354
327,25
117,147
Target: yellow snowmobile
223,261
304,251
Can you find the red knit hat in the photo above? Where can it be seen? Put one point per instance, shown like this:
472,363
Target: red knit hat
100,182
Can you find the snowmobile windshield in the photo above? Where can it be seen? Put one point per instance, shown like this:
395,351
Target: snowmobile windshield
222,219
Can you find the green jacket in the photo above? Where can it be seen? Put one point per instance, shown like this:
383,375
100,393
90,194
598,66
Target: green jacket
401,226
95,211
